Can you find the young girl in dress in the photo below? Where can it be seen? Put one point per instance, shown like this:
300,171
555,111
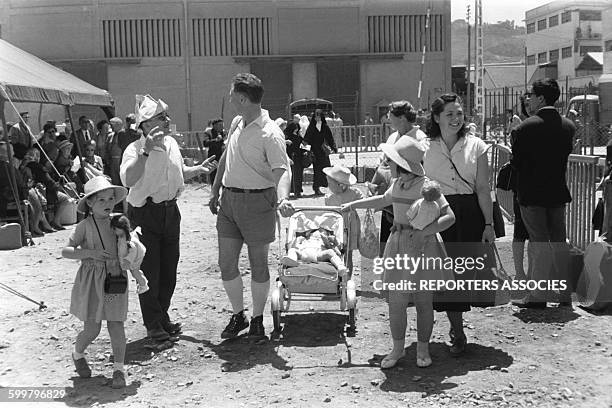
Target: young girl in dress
339,182
405,160
94,243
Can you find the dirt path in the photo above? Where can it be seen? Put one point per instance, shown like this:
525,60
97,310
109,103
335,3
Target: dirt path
516,358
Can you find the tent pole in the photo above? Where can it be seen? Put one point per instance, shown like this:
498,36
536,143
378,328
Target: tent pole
13,180
76,139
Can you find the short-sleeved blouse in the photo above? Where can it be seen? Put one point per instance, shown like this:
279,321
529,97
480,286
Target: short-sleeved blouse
464,154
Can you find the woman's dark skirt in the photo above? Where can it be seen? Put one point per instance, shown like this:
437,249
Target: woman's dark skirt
320,162
463,239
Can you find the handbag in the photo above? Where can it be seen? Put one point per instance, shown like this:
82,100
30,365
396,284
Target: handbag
307,158
112,284
498,219
499,226
506,178
368,242
495,274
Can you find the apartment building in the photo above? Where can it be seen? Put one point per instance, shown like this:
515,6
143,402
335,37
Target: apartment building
560,34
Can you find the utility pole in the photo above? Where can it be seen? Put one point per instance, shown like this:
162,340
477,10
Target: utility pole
468,106
480,103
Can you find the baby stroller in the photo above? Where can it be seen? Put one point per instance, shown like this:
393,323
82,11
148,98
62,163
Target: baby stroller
319,281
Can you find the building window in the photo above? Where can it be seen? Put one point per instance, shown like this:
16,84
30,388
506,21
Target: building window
566,52
541,24
142,38
590,15
608,45
566,17
405,33
531,60
553,21
541,57
590,48
530,28
214,37
553,55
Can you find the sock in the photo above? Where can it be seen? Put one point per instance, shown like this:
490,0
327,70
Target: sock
259,291
77,356
119,366
233,288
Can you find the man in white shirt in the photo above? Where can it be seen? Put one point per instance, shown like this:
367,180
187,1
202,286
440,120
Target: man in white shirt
152,167
255,176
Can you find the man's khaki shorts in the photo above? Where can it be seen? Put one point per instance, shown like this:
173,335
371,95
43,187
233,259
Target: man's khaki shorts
250,217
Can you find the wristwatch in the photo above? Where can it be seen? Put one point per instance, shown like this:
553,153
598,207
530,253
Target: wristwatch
142,152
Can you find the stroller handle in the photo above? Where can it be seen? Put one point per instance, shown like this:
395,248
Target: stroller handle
317,208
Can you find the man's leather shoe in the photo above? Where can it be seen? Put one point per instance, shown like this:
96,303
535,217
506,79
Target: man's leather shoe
172,328
158,334
524,303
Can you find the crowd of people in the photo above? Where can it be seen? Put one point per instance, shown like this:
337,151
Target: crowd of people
432,185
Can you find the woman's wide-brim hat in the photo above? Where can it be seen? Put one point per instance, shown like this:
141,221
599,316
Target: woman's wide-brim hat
147,108
407,153
340,174
97,184
64,144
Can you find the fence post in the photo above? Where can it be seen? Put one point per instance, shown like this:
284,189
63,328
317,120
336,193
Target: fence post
607,222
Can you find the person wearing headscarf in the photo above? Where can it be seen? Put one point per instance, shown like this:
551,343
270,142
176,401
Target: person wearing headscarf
321,140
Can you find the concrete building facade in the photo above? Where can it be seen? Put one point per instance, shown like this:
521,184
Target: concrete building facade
560,33
352,52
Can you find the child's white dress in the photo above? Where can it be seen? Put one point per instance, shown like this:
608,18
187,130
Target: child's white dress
88,300
352,218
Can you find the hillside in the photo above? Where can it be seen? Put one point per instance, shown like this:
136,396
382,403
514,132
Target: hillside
503,42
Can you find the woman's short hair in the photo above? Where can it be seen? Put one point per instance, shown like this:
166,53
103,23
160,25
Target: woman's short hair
437,107
101,124
403,108
248,85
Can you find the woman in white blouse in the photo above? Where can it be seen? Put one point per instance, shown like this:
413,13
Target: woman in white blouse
458,161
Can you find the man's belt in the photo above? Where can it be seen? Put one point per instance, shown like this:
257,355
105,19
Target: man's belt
246,190
167,203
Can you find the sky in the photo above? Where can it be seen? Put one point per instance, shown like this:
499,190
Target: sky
496,10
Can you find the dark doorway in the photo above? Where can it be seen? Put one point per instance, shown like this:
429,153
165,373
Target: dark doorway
338,82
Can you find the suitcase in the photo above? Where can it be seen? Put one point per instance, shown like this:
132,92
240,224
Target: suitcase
10,236
594,288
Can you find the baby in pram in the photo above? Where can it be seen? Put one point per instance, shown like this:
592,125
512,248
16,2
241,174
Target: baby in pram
315,242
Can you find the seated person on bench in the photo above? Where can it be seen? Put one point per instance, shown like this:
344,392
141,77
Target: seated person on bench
315,242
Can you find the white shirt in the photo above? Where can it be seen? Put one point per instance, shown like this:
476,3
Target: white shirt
162,179
465,154
253,152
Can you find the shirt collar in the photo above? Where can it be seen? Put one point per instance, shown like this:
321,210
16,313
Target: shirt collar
261,119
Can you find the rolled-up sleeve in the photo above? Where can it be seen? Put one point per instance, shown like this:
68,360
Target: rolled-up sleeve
276,151
129,156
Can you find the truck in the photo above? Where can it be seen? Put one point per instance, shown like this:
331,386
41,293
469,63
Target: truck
592,115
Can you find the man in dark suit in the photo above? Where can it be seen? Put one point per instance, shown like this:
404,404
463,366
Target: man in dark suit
82,135
543,143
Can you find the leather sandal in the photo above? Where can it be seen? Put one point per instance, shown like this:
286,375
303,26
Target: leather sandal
390,362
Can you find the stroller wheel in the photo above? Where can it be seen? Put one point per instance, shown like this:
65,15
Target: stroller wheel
351,319
276,299
276,315
351,295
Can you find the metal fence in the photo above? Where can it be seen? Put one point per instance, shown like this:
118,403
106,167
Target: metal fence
589,132
583,173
